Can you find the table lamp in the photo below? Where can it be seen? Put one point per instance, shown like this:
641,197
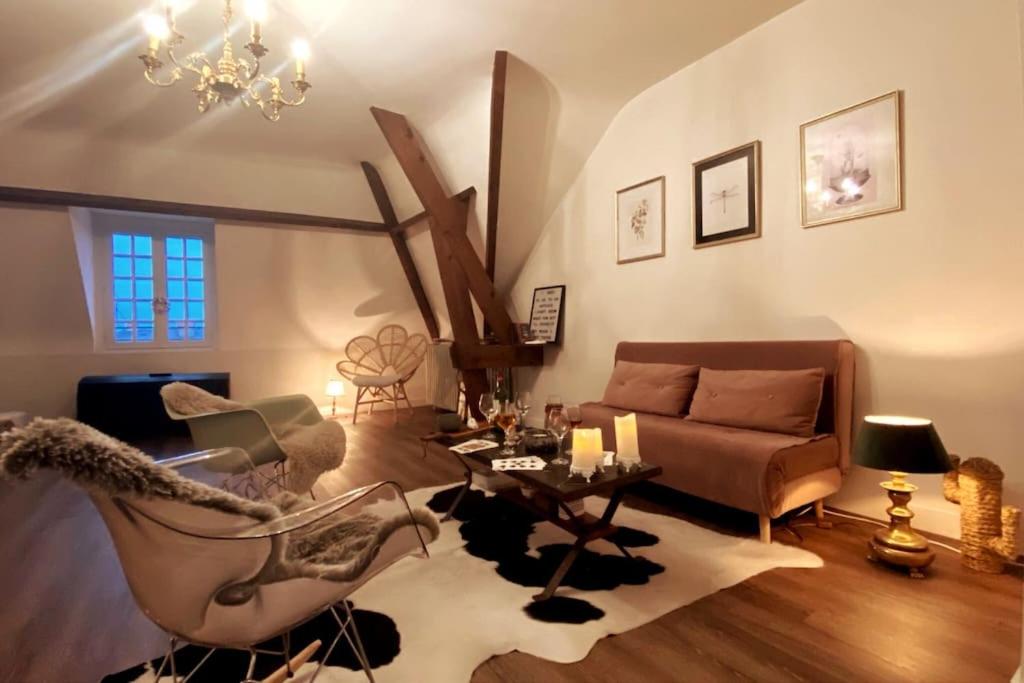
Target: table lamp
335,388
900,445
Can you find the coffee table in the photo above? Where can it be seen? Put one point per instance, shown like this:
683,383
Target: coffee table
553,490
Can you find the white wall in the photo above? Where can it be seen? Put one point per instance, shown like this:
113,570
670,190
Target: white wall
931,295
288,299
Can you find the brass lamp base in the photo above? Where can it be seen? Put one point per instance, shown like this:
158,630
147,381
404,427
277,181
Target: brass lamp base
899,545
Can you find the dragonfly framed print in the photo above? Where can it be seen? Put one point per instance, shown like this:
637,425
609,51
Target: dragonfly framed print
850,162
727,196
640,221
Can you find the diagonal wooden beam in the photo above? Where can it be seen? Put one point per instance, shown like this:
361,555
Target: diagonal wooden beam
494,158
28,195
387,212
446,219
463,196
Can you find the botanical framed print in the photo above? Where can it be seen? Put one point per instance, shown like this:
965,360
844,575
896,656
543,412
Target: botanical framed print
727,196
850,162
640,221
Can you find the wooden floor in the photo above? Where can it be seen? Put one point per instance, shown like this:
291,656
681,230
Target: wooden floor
67,615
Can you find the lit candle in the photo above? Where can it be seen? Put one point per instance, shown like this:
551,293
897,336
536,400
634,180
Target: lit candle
626,440
300,50
158,29
587,453
257,11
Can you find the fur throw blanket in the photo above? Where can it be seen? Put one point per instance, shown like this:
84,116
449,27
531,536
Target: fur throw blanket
312,449
335,548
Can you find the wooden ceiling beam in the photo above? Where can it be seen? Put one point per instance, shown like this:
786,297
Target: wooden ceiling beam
448,220
494,157
387,212
39,197
463,196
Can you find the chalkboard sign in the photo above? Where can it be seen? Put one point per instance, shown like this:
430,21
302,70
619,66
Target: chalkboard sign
546,313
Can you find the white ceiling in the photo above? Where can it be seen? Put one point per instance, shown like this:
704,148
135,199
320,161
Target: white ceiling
70,65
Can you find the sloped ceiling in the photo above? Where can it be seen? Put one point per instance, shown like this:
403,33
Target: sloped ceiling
72,67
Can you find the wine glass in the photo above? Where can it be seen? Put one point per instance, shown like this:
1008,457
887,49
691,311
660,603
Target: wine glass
560,426
554,401
523,401
506,419
488,406
575,415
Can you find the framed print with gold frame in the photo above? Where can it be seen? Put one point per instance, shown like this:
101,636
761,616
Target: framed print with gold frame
851,162
640,221
727,196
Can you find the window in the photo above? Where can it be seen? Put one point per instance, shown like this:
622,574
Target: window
153,279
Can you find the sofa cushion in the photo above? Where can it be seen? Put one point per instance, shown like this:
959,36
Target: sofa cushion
742,468
783,401
659,388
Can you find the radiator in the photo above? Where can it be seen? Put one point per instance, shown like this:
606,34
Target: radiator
442,377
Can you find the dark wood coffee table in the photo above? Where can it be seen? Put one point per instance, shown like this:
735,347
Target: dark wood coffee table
554,489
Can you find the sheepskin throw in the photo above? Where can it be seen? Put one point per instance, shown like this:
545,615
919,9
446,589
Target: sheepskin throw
188,399
311,449
337,548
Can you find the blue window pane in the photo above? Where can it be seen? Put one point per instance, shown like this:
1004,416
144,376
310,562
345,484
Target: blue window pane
144,333
143,310
122,244
193,248
122,288
144,289
176,332
175,247
175,289
196,333
176,311
143,245
122,266
196,289
175,268
123,310
194,268
196,310
144,267
122,332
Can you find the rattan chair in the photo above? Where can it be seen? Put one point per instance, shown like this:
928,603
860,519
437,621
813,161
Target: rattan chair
380,367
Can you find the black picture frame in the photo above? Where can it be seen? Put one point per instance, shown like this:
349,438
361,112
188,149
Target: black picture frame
752,153
556,337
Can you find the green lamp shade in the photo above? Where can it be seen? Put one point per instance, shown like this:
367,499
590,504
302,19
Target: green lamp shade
900,444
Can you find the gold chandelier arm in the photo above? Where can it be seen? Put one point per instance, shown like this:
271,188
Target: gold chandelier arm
174,77
251,69
189,62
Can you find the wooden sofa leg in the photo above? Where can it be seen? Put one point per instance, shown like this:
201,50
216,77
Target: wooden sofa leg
819,514
766,528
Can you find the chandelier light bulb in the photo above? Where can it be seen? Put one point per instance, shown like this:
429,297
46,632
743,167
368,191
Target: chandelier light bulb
256,10
300,49
156,26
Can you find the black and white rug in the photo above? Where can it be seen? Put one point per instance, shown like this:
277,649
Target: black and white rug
437,620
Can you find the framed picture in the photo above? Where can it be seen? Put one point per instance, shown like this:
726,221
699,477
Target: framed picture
727,196
850,164
640,221
546,314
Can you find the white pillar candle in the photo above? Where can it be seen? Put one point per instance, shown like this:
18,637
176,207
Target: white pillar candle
586,449
626,440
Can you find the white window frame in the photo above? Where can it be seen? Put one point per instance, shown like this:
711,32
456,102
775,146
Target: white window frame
159,227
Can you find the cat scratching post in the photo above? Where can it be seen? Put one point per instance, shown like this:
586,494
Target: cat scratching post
988,529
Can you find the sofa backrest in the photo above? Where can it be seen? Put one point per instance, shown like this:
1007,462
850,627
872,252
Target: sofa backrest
836,356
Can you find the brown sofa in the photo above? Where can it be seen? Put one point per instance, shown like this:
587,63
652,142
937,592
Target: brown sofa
762,472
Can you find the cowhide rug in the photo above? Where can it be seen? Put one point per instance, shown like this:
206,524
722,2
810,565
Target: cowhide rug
436,620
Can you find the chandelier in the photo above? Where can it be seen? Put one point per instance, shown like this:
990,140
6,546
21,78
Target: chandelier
230,78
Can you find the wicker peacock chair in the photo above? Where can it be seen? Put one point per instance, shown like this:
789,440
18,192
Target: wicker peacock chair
380,367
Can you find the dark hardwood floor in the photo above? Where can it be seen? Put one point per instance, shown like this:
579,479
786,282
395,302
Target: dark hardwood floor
67,615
